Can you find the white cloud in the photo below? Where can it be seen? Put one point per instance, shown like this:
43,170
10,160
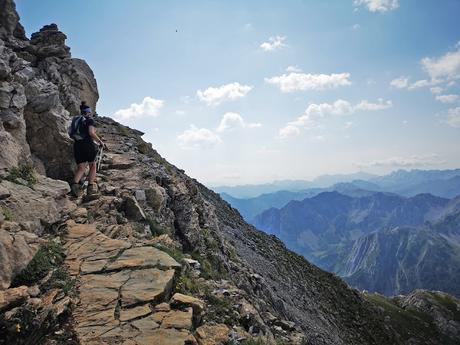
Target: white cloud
403,162
356,27
367,106
180,112
315,112
436,90
293,69
231,121
148,107
403,83
289,131
448,98
423,83
446,66
453,117
228,92
378,5
197,138
400,83
301,81
274,43
443,69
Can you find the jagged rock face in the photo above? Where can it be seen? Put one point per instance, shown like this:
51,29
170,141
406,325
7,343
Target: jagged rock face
49,42
9,21
41,87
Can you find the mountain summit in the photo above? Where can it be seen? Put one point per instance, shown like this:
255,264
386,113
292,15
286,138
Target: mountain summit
158,258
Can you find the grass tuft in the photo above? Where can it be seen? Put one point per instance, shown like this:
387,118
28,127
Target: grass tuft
49,256
8,214
22,173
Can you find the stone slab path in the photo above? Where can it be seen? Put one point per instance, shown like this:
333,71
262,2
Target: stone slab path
122,290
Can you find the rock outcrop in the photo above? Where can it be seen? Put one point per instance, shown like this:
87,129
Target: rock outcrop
41,87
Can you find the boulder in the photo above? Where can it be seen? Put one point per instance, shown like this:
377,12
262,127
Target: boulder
156,197
177,319
12,296
49,42
16,251
180,300
4,193
38,206
212,334
132,209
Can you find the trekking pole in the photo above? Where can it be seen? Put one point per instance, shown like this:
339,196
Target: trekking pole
99,157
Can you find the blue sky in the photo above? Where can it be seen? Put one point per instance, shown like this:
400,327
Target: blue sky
253,91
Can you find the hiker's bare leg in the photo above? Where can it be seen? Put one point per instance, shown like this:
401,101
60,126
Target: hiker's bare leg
81,168
92,172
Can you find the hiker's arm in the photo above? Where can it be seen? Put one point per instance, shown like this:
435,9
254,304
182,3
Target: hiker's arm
93,135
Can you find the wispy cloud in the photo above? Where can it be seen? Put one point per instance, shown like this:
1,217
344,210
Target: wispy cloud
273,43
315,112
436,90
232,121
403,162
228,92
453,117
198,138
378,5
444,69
400,83
289,131
448,98
293,69
148,107
300,81
404,83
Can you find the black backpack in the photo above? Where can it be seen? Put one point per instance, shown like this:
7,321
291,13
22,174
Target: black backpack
76,130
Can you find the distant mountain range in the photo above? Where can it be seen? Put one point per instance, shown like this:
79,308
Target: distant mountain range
380,242
445,183
255,190
442,183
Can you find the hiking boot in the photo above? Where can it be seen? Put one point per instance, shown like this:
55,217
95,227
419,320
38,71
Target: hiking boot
92,189
75,189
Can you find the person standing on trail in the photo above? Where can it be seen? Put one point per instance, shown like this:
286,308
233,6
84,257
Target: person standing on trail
83,132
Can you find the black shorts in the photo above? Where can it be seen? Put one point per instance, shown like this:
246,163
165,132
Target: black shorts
84,151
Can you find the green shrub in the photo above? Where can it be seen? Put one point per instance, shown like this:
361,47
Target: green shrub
155,228
144,147
25,172
189,285
122,130
220,309
8,214
49,256
60,279
173,252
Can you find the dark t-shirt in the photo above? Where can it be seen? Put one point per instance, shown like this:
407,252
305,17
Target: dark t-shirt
85,126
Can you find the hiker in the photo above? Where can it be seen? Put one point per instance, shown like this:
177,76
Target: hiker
83,132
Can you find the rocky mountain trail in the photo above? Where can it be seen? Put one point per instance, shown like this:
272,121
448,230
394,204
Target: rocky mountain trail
124,284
